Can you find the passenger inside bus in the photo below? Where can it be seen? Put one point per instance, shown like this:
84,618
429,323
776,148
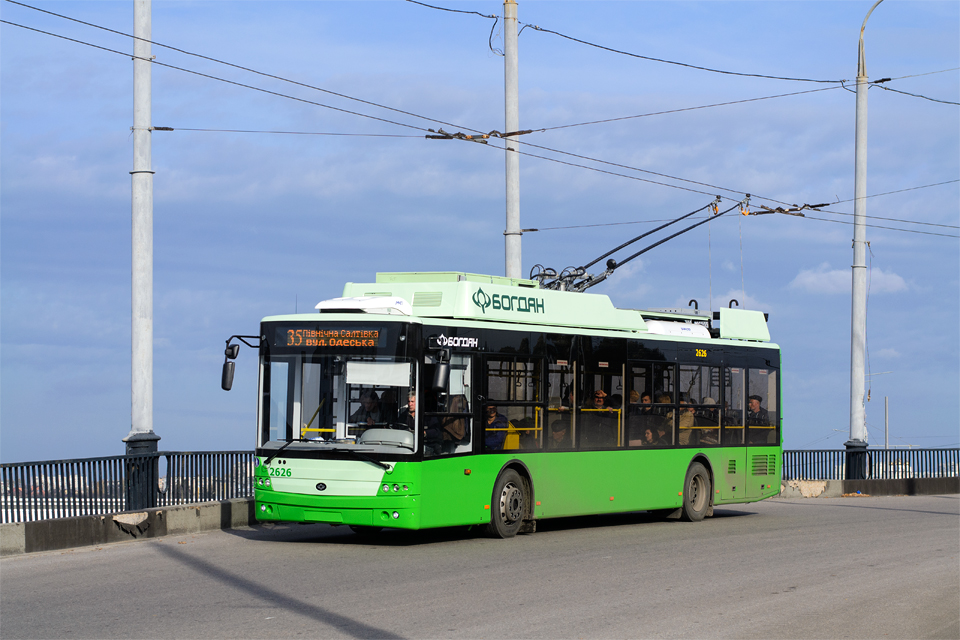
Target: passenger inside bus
496,429
757,416
599,422
707,417
369,412
559,435
455,427
665,428
686,423
649,439
642,418
408,415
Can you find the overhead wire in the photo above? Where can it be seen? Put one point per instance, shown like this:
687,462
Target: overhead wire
292,133
914,95
928,224
225,63
217,78
363,115
877,226
887,193
680,64
278,94
680,110
482,15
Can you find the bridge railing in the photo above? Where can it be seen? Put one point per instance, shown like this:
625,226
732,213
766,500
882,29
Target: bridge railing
881,464
94,486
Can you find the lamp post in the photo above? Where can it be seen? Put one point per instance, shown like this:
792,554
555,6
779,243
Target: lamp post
512,123
142,438
857,445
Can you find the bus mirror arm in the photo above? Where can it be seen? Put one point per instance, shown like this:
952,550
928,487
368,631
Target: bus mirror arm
230,354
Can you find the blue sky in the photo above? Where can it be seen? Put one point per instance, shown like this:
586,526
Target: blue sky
253,224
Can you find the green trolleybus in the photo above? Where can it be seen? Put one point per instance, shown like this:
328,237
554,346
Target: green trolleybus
439,399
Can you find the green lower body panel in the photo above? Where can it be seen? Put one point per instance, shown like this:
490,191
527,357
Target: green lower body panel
394,511
451,491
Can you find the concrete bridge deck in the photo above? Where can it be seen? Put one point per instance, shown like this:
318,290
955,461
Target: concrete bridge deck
865,567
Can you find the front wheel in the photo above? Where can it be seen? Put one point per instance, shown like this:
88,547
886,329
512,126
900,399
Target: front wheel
696,493
508,505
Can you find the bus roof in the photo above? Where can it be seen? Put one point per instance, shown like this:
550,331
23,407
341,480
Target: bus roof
484,298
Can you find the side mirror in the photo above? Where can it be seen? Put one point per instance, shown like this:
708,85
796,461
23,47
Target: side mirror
232,351
226,381
441,375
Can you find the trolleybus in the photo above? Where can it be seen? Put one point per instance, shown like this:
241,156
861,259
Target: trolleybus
439,399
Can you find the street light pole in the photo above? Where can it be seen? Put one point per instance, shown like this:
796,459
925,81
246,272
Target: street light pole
141,438
511,95
857,445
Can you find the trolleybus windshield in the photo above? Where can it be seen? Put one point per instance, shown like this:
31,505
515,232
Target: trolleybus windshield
337,387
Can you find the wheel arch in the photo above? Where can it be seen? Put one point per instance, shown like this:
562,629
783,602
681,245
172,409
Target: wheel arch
521,468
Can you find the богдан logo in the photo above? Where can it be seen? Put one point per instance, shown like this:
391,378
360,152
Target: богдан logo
482,300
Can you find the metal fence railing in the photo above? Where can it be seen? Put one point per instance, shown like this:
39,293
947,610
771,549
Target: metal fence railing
878,464
94,486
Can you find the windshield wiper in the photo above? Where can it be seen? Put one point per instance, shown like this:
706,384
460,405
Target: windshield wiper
277,452
363,457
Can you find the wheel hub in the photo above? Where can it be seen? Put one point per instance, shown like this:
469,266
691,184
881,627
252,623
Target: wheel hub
511,503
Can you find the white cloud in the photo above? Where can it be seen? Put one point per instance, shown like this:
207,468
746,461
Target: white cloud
823,279
886,353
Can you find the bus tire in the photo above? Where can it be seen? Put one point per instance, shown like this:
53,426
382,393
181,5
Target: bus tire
508,505
696,493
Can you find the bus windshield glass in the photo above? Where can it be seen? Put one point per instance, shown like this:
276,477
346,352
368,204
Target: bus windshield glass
335,387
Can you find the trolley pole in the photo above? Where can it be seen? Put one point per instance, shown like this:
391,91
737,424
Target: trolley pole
512,112
857,445
141,438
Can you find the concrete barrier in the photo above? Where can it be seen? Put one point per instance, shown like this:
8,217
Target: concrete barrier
82,531
838,488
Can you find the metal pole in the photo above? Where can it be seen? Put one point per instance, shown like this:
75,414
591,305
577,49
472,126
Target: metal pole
141,438
858,316
512,115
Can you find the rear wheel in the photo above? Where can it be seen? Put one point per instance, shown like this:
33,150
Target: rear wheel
508,505
696,493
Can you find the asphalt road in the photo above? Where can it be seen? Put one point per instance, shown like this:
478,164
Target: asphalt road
820,568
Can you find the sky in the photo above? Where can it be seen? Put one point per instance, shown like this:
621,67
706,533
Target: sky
254,224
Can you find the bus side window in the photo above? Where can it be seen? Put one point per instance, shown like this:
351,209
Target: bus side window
734,401
761,406
454,407
513,385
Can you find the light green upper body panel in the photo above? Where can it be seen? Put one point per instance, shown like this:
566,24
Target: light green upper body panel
474,297
466,299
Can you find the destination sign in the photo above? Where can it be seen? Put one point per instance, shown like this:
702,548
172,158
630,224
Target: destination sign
342,337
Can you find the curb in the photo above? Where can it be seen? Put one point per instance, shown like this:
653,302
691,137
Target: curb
839,488
82,531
